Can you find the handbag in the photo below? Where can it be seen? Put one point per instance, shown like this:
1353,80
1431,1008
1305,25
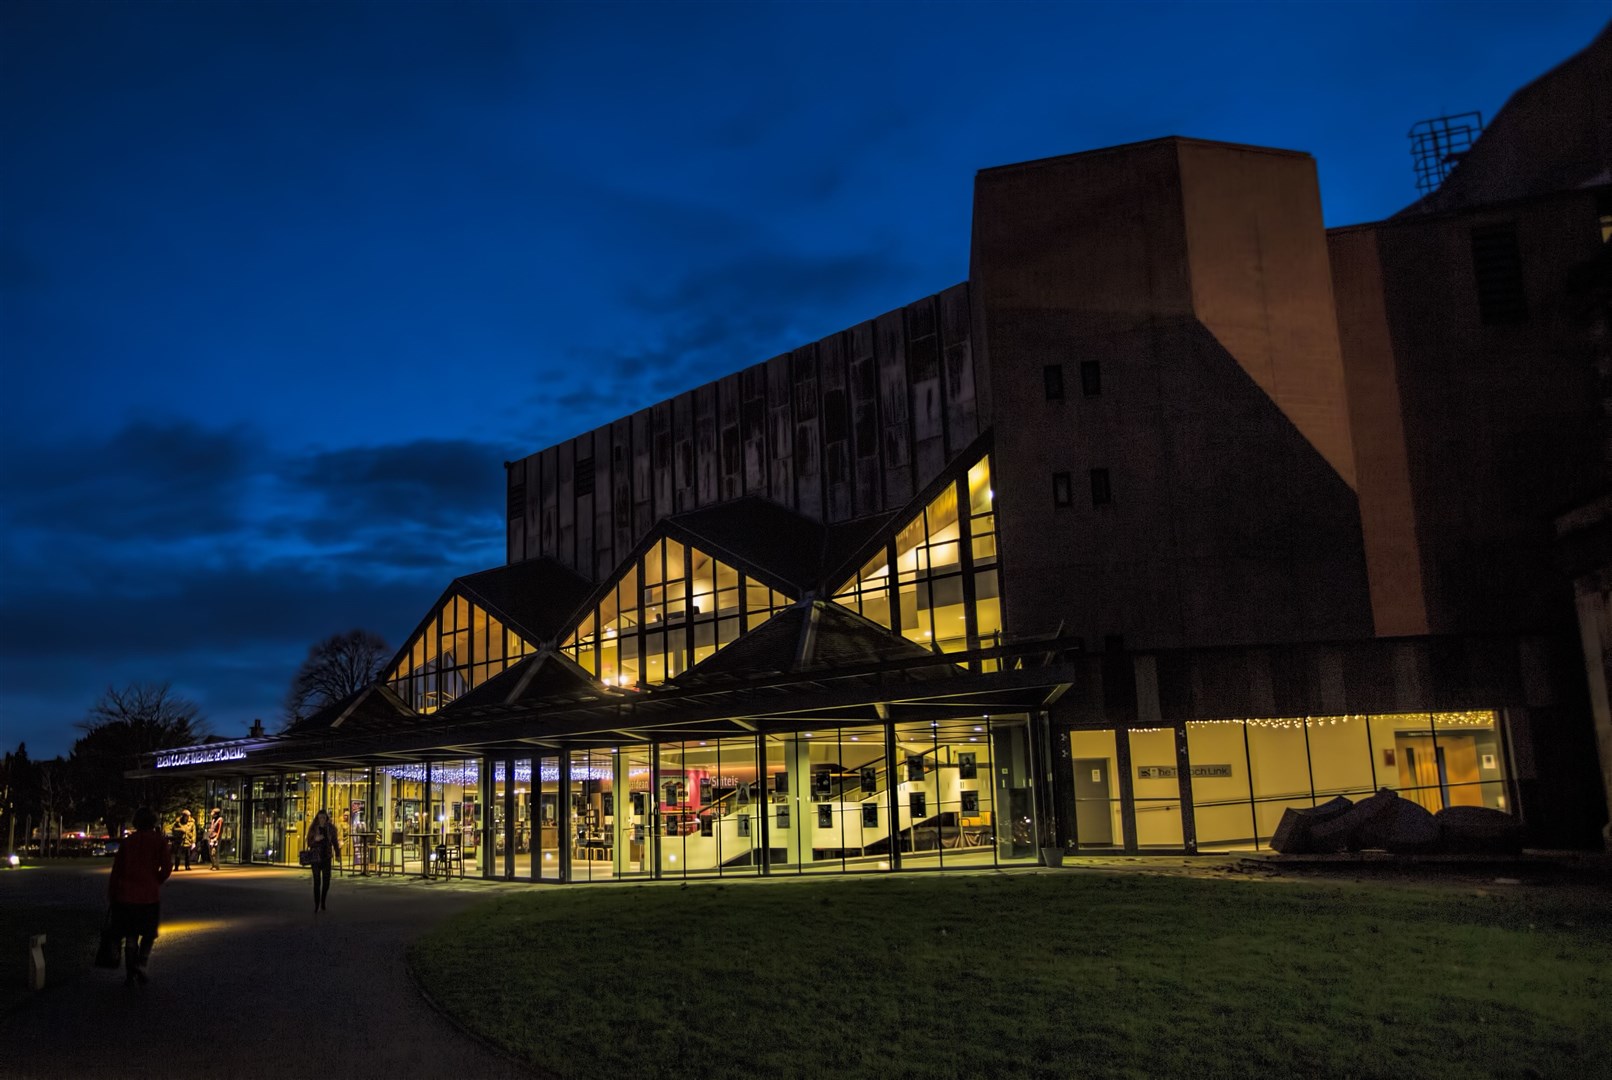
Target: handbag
109,953
305,857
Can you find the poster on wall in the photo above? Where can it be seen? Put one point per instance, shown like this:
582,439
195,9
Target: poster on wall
915,768
822,781
744,824
825,816
918,805
966,768
780,783
870,778
971,802
783,816
870,815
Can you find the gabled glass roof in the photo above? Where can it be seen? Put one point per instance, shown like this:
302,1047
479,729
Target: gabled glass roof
458,648
666,611
936,582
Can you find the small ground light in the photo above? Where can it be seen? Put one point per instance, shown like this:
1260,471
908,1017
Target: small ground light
12,859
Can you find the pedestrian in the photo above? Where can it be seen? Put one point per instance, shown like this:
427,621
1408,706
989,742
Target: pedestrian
184,840
323,846
215,836
139,868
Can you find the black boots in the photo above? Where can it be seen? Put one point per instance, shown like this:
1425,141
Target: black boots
134,965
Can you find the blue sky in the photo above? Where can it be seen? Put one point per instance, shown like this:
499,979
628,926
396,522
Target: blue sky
281,285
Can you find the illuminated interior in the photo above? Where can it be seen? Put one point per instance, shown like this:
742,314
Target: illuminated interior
460,648
665,613
1245,773
937,582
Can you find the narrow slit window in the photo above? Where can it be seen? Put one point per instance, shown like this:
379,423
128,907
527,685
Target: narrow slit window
1052,379
1102,493
1062,490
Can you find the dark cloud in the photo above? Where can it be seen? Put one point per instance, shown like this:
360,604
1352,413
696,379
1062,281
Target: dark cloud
434,482
713,321
148,482
179,553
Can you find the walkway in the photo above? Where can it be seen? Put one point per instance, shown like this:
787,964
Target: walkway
247,982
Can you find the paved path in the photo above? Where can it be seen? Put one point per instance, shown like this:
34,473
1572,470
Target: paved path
247,982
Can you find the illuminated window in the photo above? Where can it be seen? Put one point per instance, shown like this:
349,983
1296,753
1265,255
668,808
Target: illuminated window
690,605
921,584
460,648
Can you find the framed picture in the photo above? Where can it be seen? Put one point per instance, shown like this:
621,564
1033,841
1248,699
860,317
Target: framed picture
966,767
707,825
825,816
705,790
1488,761
915,767
744,794
870,778
971,802
870,815
918,804
822,782
744,824
610,803
781,820
780,783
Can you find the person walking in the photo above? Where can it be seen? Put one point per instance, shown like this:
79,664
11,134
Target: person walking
184,838
139,868
323,845
215,836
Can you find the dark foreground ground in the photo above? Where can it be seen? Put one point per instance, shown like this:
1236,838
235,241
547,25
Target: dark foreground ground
245,982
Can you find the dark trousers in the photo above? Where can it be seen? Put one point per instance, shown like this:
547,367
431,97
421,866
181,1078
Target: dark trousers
136,924
321,882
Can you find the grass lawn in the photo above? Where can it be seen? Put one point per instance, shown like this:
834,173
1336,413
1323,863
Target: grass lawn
1068,974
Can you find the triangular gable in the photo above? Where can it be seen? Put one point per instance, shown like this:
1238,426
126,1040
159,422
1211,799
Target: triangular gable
458,646
375,706
668,606
933,578
760,538
546,677
813,636
534,598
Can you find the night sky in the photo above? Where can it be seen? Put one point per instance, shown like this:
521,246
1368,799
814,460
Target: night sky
281,285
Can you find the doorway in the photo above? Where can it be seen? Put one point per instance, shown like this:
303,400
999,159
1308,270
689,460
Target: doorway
1094,801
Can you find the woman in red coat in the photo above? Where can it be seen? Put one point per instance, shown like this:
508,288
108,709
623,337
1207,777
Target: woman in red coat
141,865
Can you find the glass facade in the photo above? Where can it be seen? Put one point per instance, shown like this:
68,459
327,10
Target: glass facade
665,612
937,582
459,648
959,794
1245,773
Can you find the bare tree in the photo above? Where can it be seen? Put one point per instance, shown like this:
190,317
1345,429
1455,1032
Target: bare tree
125,726
336,668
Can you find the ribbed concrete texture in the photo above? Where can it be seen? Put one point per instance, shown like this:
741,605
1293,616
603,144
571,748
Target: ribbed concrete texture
246,981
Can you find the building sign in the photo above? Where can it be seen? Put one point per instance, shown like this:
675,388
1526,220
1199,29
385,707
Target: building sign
200,756
1169,772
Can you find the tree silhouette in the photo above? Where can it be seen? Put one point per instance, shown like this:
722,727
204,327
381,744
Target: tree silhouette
122,729
335,669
